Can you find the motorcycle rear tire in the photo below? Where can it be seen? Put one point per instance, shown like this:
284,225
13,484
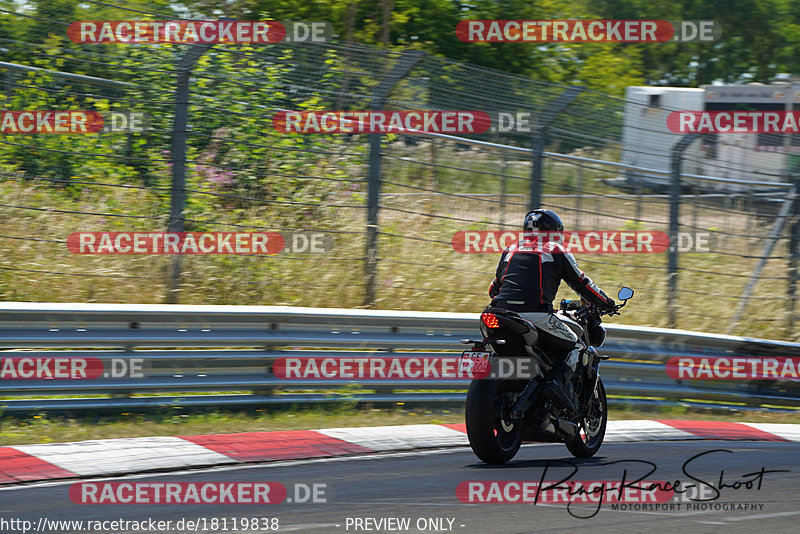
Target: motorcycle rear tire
493,440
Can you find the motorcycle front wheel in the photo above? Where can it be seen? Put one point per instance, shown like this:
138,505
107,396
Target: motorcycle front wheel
591,427
492,436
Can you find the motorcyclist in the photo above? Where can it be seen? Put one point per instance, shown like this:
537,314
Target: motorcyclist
527,281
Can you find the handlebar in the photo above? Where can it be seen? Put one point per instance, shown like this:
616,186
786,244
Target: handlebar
582,308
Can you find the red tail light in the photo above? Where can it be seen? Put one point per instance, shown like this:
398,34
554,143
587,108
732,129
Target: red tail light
490,320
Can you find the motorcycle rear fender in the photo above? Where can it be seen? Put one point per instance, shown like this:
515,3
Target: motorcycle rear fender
520,335
510,320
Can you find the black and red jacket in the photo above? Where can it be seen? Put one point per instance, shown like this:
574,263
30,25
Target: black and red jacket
528,277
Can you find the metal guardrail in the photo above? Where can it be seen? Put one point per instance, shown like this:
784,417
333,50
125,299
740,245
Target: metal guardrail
191,350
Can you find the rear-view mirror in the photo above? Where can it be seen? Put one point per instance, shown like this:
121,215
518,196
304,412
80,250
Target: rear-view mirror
625,293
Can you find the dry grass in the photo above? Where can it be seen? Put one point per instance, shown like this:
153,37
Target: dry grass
419,271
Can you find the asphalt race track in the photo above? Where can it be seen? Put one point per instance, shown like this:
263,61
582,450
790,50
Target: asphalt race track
420,487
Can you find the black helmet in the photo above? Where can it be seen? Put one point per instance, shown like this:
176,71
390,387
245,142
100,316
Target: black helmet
542,221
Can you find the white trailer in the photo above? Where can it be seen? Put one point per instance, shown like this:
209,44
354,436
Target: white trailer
648,143
646,140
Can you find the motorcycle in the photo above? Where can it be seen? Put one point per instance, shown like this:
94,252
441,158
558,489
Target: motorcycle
503,412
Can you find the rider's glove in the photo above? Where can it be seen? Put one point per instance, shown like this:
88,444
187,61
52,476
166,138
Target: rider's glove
610,304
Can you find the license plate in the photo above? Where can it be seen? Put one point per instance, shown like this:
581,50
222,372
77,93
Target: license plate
474,362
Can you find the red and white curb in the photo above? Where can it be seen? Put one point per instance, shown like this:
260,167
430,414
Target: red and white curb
26,463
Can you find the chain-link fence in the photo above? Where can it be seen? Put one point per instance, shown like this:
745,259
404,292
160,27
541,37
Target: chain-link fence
211,160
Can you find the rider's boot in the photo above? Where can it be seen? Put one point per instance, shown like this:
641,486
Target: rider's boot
559,377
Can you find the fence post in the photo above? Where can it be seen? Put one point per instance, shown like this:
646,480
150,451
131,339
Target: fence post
387,83
674,212
769,245
639,193
546,117
178,191
794,259
503,187
8,83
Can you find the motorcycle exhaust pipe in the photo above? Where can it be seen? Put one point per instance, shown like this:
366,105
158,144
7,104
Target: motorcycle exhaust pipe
568,429
545,423
558,427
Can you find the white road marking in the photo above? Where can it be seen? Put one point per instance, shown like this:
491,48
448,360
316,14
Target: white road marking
760,516
237,467
392,438
114,456
785,431
644,430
